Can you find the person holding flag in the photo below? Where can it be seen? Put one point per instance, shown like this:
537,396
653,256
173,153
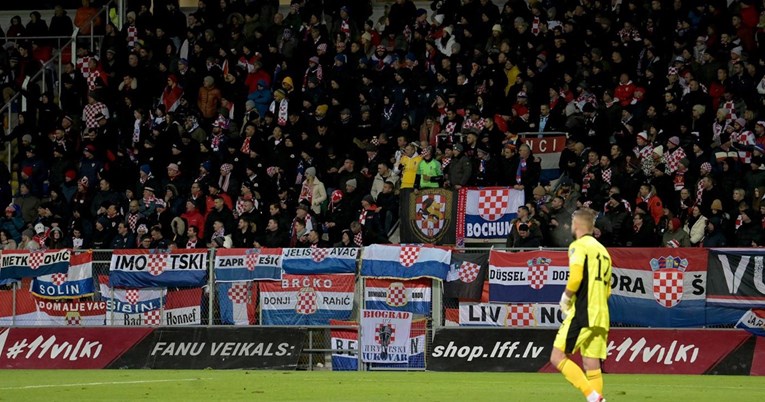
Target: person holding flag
585,305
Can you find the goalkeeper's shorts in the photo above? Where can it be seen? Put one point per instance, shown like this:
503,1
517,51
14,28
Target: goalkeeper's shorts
589,341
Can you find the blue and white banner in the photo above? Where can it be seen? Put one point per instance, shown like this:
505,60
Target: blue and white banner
347,339
158,268
662,288
385,336
484,214
17,264
413,296
77,282
408,261
130,307
238,265
308,261
307,299
753,321
237,302
527,277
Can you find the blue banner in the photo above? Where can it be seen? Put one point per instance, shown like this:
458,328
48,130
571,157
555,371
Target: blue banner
304,261
307,299
17,264
413,296
241,265
158,268
405,262
527,277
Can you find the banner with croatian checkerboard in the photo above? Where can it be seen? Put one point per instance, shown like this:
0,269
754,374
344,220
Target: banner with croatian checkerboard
466,276
237,302
17,264
520,315
660,288
413,296
319,260
385,336
484,214
307,299
527,277
428,216
158,268
242,264
406,261
70,313
344,339
76,282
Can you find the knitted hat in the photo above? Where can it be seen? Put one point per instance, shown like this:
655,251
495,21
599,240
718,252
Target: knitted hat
674,140
226,168
311,172
539,190
716,205
352,183
676,224
368,198
659,151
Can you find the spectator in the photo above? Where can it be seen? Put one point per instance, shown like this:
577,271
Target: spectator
675,236
60,23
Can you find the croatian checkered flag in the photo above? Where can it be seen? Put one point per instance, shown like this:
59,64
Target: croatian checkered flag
467,273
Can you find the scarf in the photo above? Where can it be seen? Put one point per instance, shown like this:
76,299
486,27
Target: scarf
224,181
606,175
358,240
245,149
215,142
445,161
306,192
132,36
136,131
283,113
133,221
520,171
191,244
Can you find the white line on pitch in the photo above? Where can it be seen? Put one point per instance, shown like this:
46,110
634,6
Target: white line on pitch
101,383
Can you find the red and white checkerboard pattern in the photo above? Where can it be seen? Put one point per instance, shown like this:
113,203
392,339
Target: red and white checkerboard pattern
318,254
468,271
493,204
58,279
238,294
396,295
537,276
430,225
668,287
520,315
157,263
131,295
153,317
36,258
392,332
307,301
251,261
409,255
73,319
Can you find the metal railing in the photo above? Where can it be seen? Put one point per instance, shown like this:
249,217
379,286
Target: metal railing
8,108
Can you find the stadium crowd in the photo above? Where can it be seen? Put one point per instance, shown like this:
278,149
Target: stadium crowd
240,125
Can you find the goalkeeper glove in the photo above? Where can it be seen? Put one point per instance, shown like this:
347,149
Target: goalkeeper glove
565,304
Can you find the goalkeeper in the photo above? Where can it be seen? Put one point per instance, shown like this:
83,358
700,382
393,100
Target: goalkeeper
585,306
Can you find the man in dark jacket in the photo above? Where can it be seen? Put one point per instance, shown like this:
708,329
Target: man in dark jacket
460,168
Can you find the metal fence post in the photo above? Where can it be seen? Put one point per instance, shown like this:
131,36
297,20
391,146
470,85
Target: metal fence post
437,306
360,287
211,287
13,304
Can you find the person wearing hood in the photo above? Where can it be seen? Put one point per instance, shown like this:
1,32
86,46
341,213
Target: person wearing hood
262,97
714,235
27,243
675,236
749,234
171,95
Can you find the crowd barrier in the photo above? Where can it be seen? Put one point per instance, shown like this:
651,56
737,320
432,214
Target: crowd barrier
377,307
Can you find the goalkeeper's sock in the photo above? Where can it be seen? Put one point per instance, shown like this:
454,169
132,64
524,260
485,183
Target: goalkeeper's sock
576,377
595,377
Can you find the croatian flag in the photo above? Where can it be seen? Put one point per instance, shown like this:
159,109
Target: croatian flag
16,264
307,299
413,296
527,277
236,265
753,321
485,214
130,306
158,268
319,260
70,313
25,312
344,339
237,302
184,307
78,282
407,261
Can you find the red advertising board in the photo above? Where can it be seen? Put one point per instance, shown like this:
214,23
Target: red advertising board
758,360
672,351
65,348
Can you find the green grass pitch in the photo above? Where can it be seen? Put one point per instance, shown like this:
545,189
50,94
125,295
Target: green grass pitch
212,385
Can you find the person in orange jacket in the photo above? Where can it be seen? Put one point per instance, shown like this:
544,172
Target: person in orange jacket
648,195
